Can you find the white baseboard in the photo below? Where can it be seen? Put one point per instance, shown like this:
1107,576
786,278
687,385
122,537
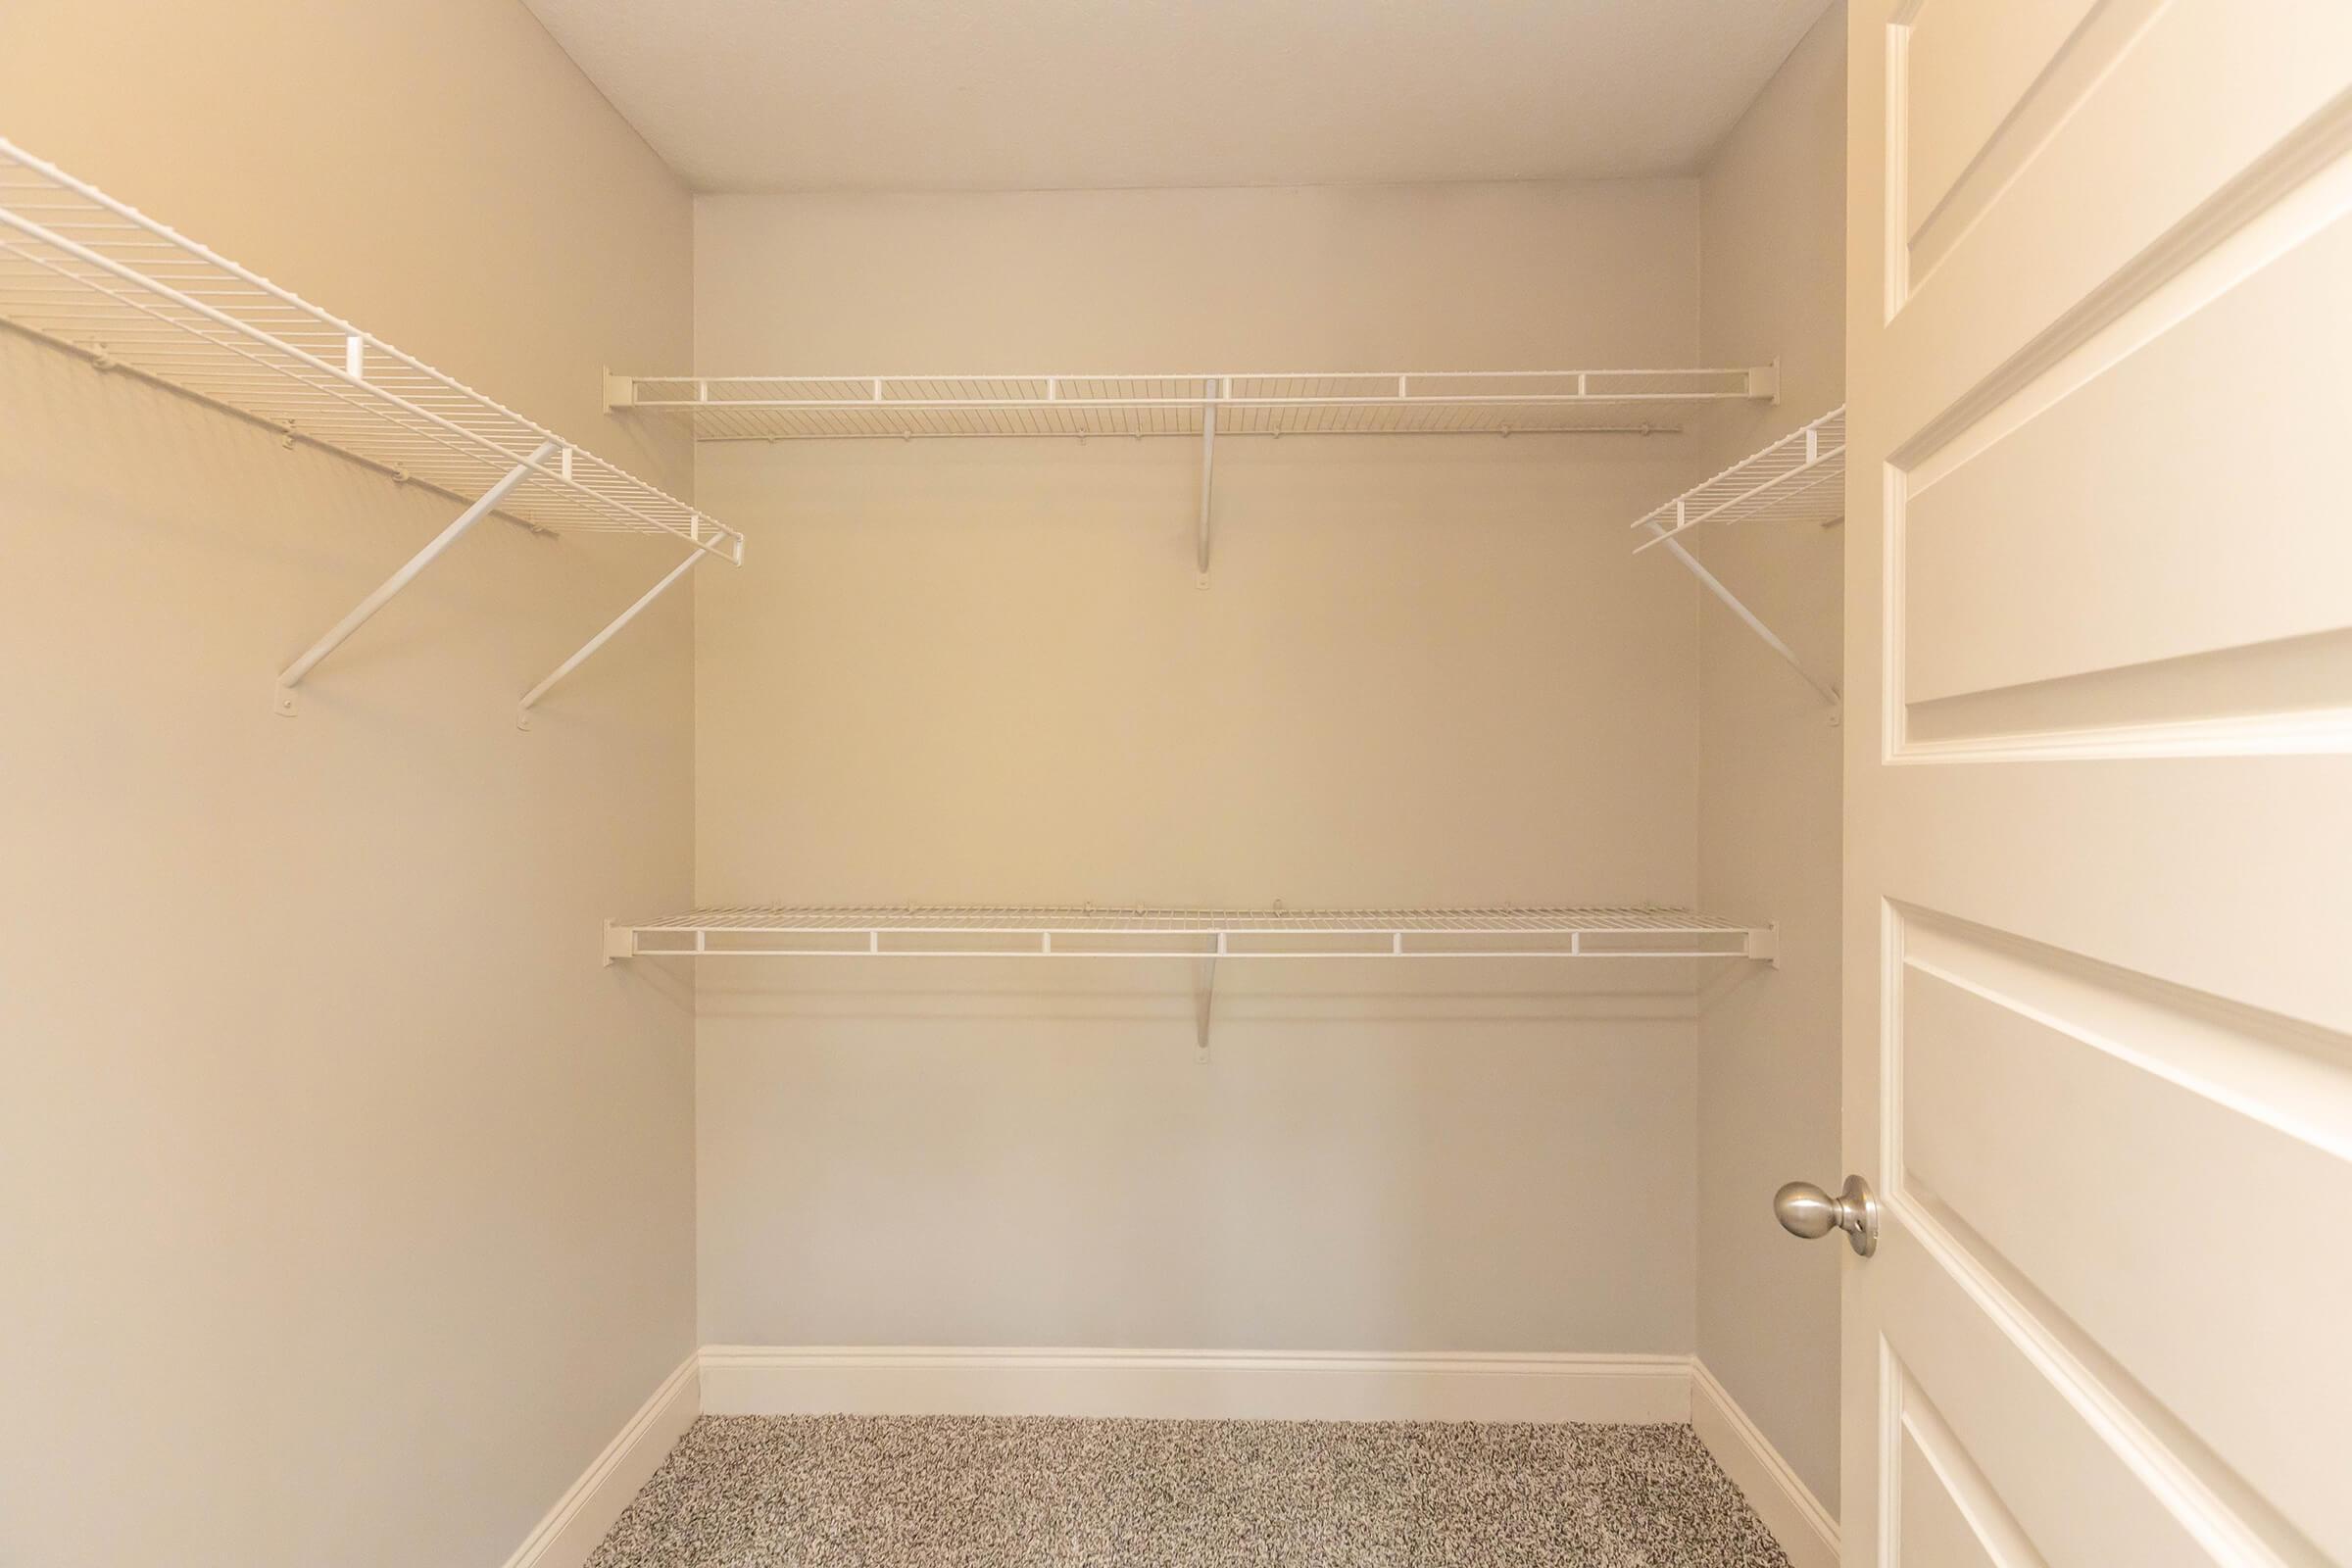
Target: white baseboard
585,1512
1266,1386
1786,1504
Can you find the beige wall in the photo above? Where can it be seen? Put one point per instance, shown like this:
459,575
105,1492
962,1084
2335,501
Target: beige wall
1771,210
362,1209
1424,672
349,1203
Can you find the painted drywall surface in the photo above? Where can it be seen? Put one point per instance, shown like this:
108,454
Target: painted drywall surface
850,95
350,1206
1376,278
1422,673
1062,1171
1772,224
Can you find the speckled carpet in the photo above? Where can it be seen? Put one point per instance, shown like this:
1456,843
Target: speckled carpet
959,1492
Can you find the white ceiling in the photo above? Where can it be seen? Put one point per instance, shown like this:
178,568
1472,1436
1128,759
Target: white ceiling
777,95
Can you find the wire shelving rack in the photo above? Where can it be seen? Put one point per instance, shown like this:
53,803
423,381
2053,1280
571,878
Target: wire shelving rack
801,408
1141,932
1798,479
1206,937
1199,406
91,273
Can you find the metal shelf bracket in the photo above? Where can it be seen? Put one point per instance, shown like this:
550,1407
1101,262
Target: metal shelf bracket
1799,477
1771,640
522,710
1205,1003
293,674
1209,480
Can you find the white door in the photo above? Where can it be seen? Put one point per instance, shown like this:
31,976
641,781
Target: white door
2099,897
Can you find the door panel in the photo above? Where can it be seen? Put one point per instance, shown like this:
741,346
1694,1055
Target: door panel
2176,122
1945,1513
2099,782
2053,1451
1973,63
2037,556
2085,1135
2222,875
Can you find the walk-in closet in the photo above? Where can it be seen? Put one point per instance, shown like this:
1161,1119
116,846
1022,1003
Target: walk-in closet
1174,785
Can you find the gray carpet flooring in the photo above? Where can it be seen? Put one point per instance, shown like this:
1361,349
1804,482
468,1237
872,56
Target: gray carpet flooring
958,1492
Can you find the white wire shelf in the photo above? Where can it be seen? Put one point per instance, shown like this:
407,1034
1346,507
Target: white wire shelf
784,408
1798,479
86,270
1094,931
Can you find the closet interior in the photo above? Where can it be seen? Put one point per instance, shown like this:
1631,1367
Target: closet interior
1446,817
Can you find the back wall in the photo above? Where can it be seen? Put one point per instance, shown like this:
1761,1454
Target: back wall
1423,672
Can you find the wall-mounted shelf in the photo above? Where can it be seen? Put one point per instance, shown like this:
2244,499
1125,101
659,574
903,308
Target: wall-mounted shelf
1096,931
1206,936
1798,479
783,408
1502,403
89,273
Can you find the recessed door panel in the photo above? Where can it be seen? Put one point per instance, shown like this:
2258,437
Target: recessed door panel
1946,1514
2081,1133
2167,506
2159,128
2222,874
2039,1446
1973,62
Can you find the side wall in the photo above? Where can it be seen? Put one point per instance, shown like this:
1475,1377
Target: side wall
1424,672
349,1200
1773,222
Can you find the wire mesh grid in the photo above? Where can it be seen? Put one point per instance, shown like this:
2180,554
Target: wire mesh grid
1454,402
80,268
1100,931
1075,919
1798,479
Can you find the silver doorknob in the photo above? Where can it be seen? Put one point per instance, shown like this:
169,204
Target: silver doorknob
1805,1210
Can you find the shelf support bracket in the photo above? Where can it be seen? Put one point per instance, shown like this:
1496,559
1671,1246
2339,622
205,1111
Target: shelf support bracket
1205,1003
522,710
1209,480
1714,585
292,676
